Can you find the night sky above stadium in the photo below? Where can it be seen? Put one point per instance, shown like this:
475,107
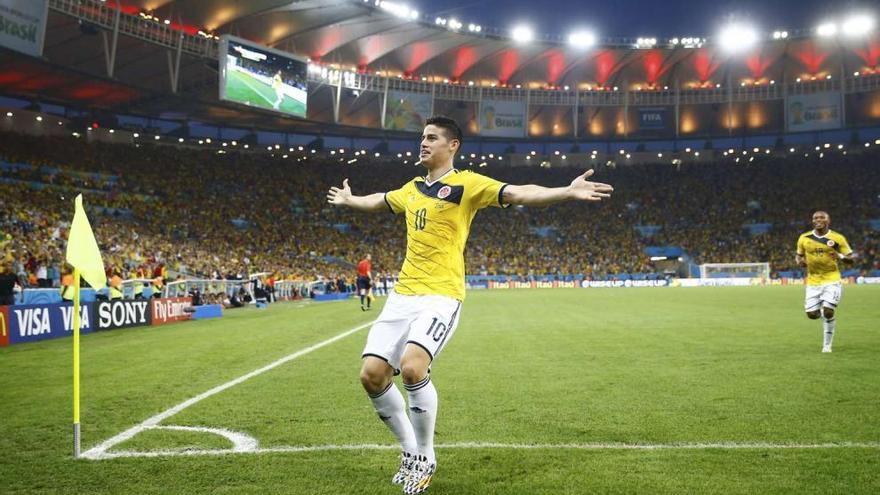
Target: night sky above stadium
635,18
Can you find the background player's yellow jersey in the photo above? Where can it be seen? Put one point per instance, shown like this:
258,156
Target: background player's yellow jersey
438,221
276,82
821,255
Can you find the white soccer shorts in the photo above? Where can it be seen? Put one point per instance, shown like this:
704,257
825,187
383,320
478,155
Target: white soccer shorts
827,295
427,321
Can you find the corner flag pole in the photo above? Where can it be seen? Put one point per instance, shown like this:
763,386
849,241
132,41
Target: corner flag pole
84,256
76,324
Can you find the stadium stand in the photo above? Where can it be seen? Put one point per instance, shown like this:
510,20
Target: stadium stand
197,213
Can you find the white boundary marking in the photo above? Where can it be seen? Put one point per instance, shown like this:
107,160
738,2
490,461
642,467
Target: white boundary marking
240,442
245,444
255,90
493,445
97,451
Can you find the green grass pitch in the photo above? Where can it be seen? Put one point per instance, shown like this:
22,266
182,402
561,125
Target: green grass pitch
685,369
245,89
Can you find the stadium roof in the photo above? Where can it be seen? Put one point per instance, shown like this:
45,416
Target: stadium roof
359,36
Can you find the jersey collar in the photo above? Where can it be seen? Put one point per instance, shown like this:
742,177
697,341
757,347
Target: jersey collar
430,183
821,236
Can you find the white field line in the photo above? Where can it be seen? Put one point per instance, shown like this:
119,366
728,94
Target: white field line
255,90
102,448
493,445
241,442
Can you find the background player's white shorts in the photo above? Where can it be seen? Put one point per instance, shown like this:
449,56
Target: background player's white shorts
426,321
827,295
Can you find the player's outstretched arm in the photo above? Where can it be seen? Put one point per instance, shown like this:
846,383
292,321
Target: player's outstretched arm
580,189
344,197
847,258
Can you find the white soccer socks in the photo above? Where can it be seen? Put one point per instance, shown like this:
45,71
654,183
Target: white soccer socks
828,328
391,408
423,415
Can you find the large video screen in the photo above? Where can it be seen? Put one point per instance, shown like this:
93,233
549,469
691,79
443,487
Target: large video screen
261,77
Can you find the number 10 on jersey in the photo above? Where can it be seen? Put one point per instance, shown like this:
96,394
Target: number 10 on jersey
421,219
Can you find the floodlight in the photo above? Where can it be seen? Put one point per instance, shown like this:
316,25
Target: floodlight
826,29
581,39
522,34
857,25
735,38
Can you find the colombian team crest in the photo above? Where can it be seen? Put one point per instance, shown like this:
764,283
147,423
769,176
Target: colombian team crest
444,192
830,243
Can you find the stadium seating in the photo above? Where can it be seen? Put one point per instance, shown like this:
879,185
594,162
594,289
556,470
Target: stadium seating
198,213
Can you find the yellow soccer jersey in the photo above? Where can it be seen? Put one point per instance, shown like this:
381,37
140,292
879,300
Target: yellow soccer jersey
276,82
821,256
438,221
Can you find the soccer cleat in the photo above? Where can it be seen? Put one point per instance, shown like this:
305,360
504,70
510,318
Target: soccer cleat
826,348
406,465
420,476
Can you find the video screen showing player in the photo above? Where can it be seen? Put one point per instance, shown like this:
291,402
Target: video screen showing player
262,77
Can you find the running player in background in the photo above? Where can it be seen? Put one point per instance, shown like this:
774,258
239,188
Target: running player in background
819,251
422,312
365,281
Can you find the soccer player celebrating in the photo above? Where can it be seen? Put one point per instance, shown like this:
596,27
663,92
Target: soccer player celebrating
278,86
365,281
818,251
422,312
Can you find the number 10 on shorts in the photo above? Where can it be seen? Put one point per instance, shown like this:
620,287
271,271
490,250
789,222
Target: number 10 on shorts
436,330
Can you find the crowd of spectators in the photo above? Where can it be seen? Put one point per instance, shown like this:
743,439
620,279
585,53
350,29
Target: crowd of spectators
198,213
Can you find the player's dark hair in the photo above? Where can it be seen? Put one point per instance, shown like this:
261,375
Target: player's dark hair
453,131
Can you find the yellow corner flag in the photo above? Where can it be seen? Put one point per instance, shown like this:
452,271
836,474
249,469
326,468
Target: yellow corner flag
85,257
82,249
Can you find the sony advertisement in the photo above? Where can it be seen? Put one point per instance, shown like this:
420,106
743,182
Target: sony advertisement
122,314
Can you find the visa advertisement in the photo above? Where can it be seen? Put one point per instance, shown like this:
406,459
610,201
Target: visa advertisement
32,322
